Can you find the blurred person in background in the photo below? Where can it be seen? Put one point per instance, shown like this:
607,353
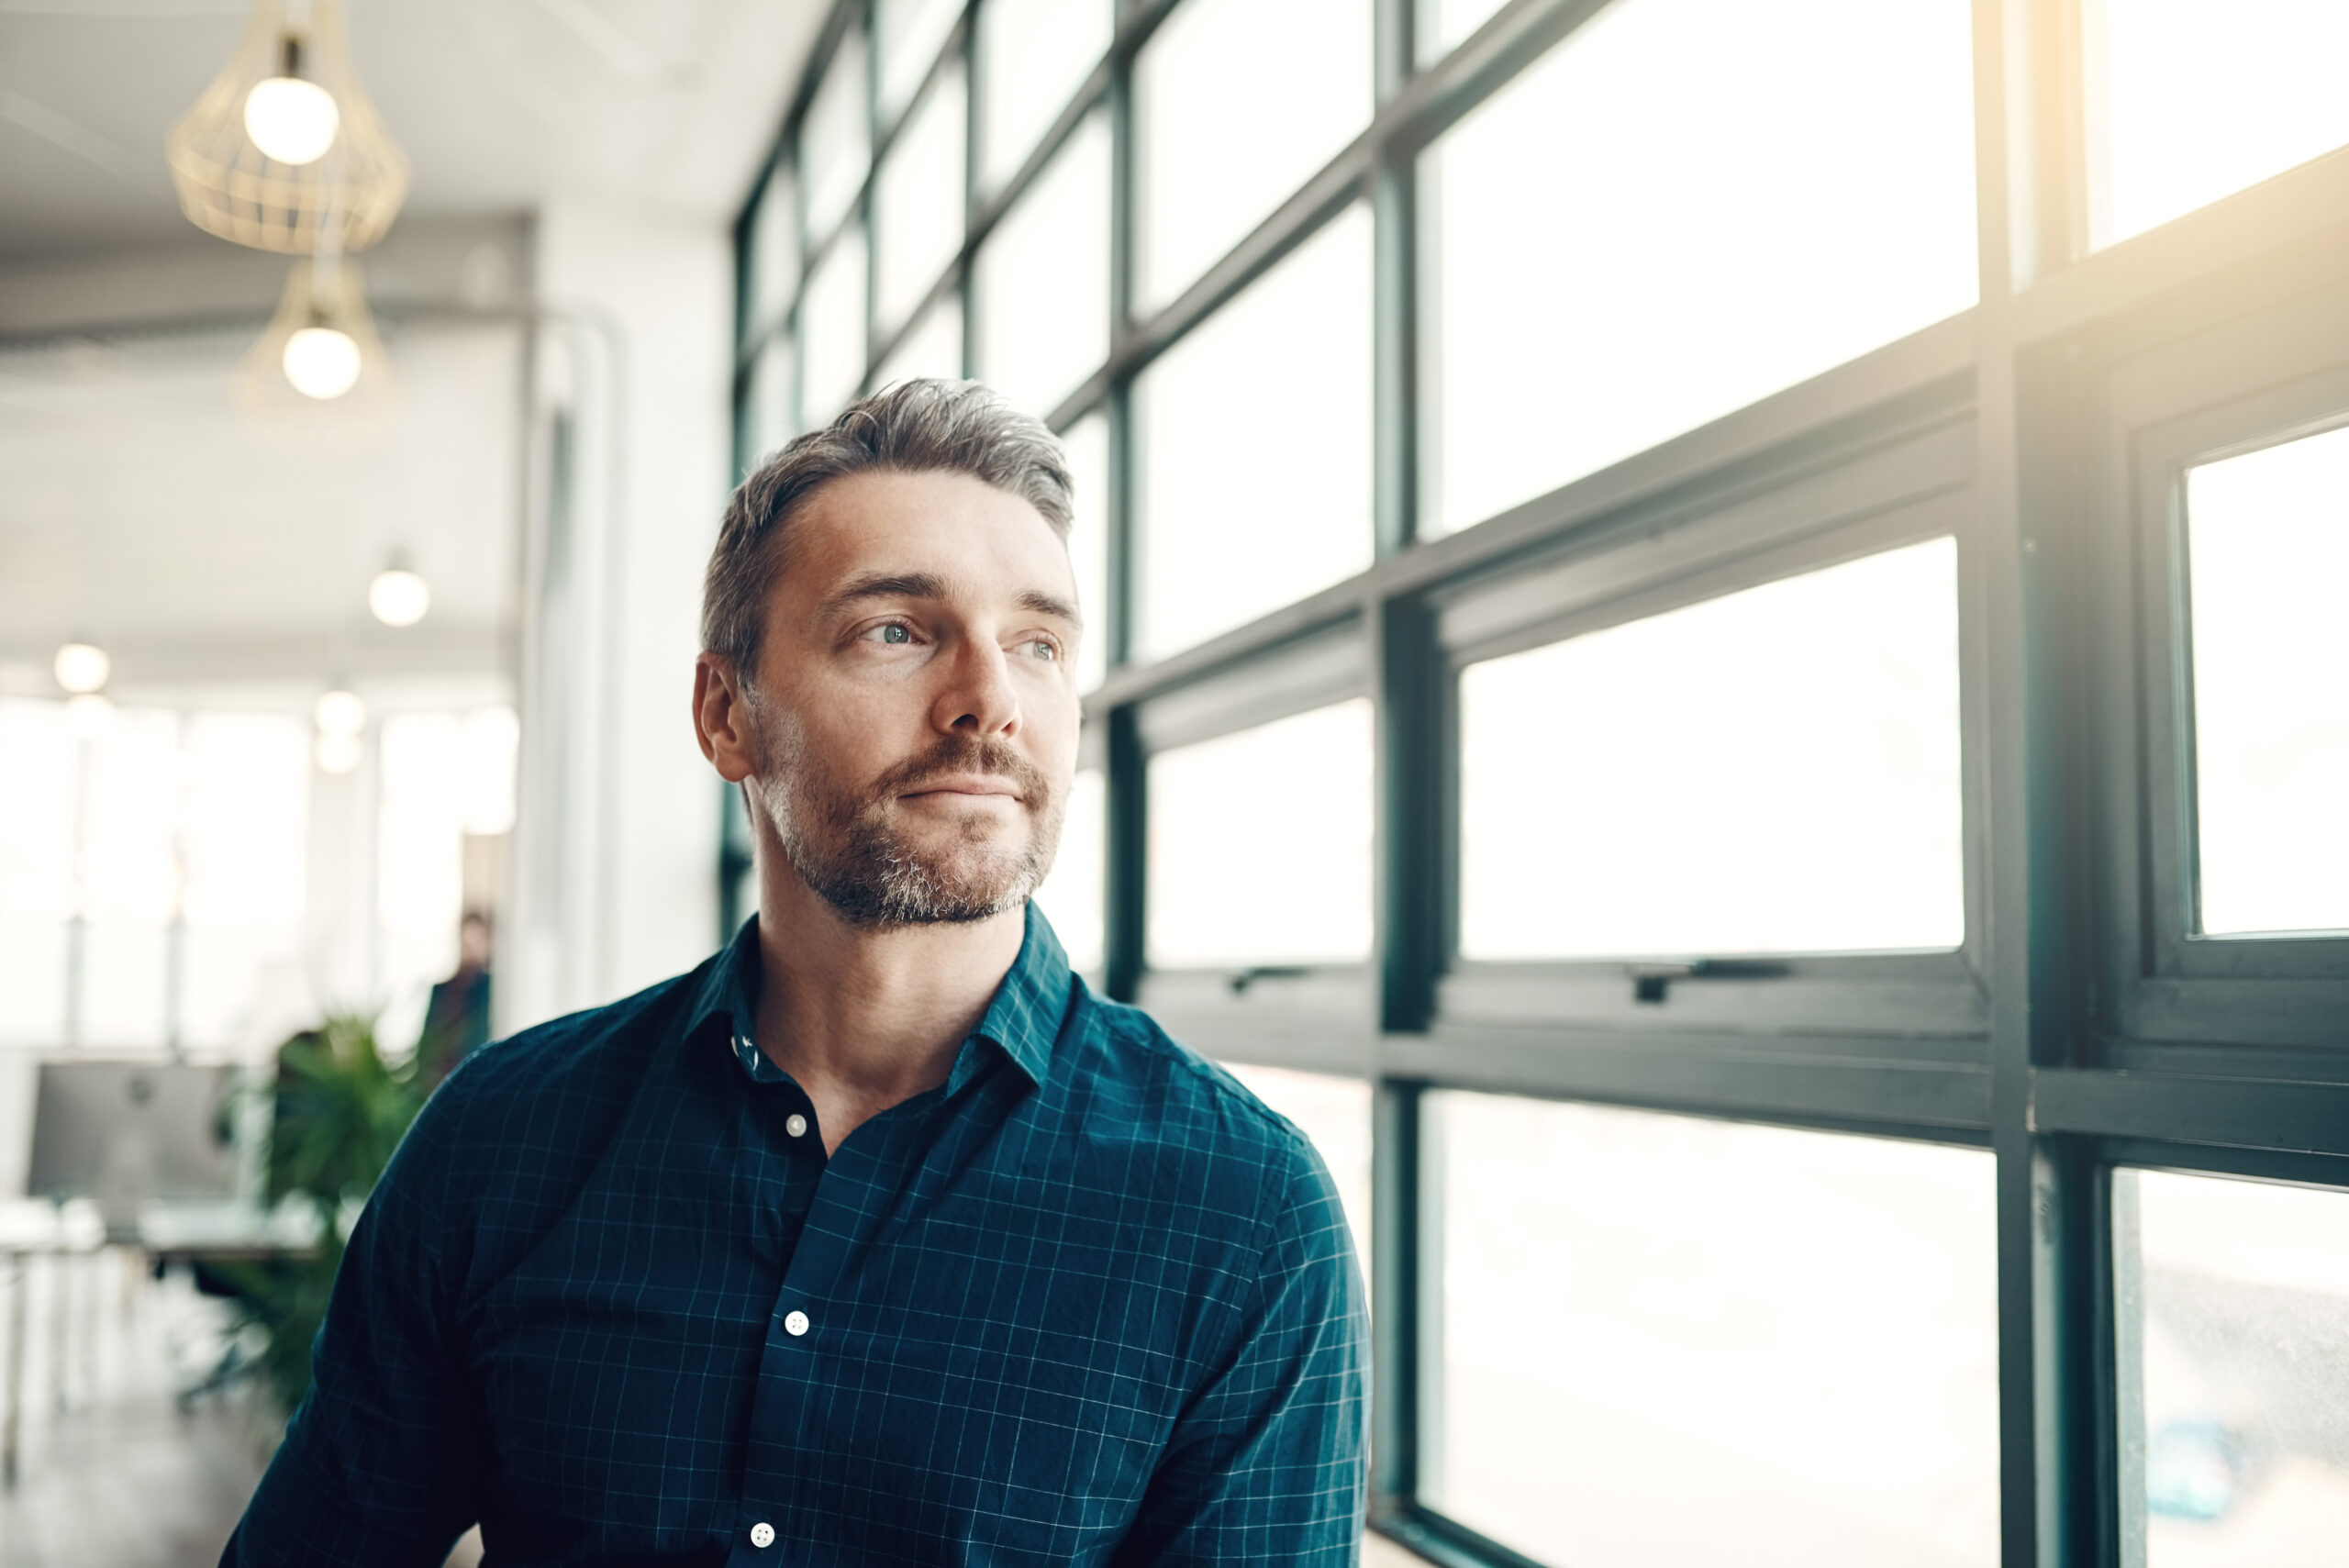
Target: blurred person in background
878,1239
456,1019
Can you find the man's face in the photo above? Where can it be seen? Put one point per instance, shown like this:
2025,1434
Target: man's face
915,717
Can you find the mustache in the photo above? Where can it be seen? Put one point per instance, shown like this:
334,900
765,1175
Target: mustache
959,755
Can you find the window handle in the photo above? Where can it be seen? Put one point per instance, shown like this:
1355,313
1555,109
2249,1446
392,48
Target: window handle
1243,978
1651,979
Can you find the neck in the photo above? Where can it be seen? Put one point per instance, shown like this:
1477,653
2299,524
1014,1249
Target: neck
865,1019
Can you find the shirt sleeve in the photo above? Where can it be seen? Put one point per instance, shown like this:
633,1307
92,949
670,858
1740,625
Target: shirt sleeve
1269,1462
382,1466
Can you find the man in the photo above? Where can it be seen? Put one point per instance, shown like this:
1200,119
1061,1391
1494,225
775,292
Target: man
456,1015
878,1239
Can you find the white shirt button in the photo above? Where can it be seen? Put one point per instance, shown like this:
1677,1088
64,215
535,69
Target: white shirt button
796,1324
795,1125
763,1535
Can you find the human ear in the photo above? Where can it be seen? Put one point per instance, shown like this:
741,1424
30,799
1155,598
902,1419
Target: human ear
722,718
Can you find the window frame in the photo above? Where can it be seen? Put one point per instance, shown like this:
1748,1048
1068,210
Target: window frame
2274,377
2056,1042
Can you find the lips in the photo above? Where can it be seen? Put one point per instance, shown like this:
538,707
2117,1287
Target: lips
970,769
975,787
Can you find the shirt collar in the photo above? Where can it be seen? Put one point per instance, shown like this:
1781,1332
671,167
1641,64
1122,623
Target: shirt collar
1022,1022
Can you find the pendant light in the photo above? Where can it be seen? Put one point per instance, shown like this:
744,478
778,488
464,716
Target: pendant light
396,595
341,718
318,364
283,151
81,668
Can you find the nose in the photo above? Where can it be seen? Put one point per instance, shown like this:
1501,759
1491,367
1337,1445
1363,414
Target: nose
977,698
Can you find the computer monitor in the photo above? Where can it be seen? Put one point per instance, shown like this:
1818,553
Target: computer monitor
125,1132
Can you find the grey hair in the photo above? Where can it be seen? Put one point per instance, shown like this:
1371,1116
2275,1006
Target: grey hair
923,426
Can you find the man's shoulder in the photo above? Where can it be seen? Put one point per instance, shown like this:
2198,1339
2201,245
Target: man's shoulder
1151,1091
556,1081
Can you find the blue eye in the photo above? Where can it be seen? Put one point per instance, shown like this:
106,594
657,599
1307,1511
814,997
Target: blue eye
1043,648
891,633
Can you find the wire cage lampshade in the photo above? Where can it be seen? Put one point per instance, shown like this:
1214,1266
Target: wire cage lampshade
318,369
283,152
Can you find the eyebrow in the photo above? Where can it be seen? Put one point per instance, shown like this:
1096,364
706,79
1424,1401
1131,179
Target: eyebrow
926,585
1045,604
886,585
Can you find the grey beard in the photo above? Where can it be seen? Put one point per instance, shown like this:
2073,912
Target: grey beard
873,879
844,850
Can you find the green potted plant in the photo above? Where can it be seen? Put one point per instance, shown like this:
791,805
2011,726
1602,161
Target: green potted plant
339,1111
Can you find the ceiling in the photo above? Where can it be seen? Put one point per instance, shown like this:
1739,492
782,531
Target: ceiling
135,506
142,512
499,104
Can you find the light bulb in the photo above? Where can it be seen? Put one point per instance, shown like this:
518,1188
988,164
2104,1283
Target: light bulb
89,714
321,363
336,753
81,668
292,120
399,597
341,713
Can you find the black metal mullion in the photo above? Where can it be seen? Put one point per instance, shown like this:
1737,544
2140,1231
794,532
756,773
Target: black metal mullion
1394,295
1123,439
1446,1541
1395,1286
868,197
986,211
1125,937
952,48
973,112
1416,757
1123,932
2047,1189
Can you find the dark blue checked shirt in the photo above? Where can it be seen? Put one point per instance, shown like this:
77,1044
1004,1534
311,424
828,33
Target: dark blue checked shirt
1088,1302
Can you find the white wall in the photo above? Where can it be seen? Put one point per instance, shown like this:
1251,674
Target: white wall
616,869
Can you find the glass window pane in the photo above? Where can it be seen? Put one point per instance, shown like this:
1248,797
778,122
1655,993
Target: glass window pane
126,969
836,140
767,420
1043,279
1073,896
910,33
129,870
247,800
919,201
33,964
1242,869
932,349
1773,771
1444,23
1034,56
1087,445
831,326
1798,1328
41,761
38,785
1679,212
2268,552
774,253
2231,1309
248,803
1234,525
1335,1113
420,824
1236,102
489,755
2188,101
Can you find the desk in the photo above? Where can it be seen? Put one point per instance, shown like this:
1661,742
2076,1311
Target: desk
166,1232
30,1229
